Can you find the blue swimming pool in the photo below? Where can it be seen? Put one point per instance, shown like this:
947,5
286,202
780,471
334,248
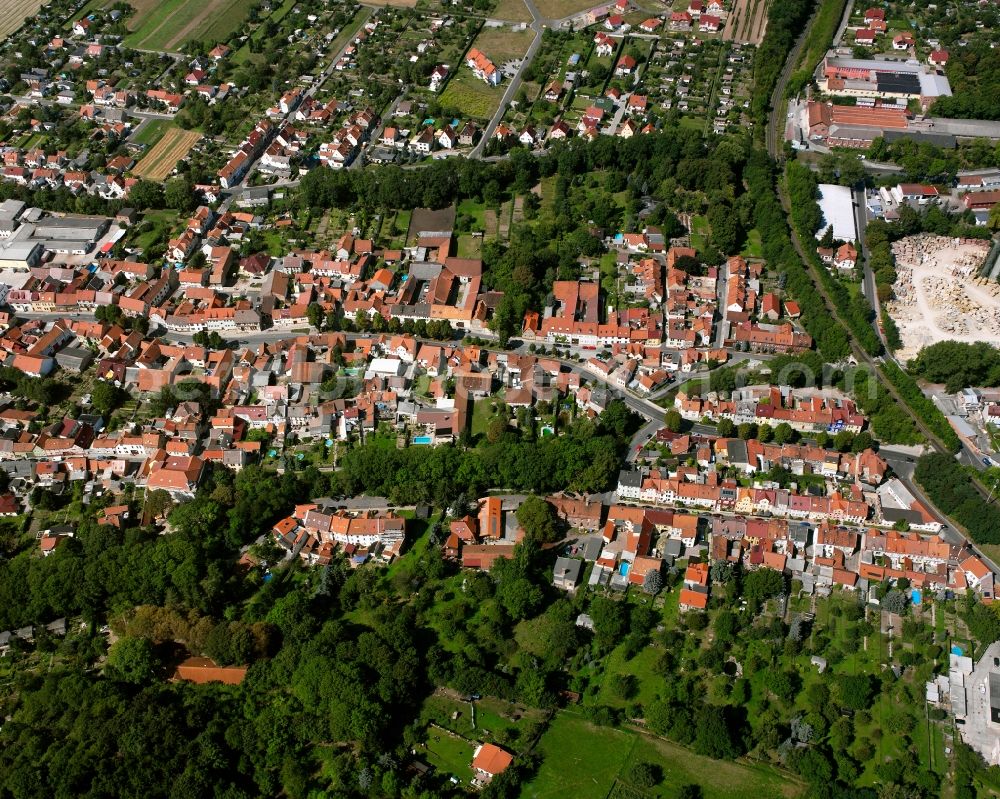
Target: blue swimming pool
422,440
957,650
623,568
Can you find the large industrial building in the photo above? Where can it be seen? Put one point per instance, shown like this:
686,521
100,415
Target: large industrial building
28,235
837,205
884,79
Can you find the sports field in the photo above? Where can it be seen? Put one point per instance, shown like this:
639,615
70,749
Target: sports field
165,25
161,160
13,13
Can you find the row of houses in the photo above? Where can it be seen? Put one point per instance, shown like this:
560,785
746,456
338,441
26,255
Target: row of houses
623,544
801,409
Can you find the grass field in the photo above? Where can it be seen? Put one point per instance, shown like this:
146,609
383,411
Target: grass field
582,761
449,754
466,94
503,44
168,25
152,131
171,148
699,232
13,13
754,248
558,9
470,246
512,11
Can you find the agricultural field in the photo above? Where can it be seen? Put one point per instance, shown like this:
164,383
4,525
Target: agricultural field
168,25
13,13
747,22
160,161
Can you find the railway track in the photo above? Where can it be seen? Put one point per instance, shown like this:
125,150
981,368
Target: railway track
773,138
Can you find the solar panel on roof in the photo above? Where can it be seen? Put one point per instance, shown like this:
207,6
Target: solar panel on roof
897,83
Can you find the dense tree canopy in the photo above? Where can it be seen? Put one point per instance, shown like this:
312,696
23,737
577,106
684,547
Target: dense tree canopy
958,364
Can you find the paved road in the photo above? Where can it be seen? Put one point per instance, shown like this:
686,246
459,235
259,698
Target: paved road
314,87
513,84
868,285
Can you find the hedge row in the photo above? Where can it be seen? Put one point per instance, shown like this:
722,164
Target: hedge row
782,257
951,489
922,406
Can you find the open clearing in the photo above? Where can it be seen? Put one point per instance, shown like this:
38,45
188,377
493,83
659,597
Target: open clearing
391,3
166,26
511,11
13,13
747,22
503,44
938,294
465,94
161,160
582,761
559,9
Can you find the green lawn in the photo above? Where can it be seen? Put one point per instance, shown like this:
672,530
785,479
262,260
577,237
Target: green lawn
476,213
449,754
695,123
470,246
162,221
394,233
641,666
753,248
482,410
487,719
579,760
582,761
699,231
